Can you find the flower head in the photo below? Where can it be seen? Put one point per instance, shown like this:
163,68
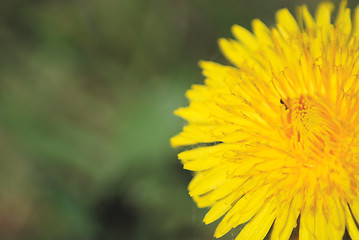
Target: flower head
276,135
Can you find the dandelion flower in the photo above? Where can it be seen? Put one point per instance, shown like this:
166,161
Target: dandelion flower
275,136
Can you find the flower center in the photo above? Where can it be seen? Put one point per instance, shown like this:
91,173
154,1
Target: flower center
312,131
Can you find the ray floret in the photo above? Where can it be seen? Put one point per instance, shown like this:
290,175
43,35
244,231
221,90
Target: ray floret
276,134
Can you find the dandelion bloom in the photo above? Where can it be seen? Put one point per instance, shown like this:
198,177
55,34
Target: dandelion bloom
275,136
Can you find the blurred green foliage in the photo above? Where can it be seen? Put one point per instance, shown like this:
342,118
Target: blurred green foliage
87,90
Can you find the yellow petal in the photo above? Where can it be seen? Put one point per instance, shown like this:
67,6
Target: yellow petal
323,13
230,186
354,206
202,201
220,208
350,224
262,32
209,133
307,17
336,217
259,226
320,222
198,93
211,151
286,20
195,113
237,54
193,134
246,37
207,181
341,11
355,31
201,164
343,19
346,23
243,210
307,225
286,220
215,73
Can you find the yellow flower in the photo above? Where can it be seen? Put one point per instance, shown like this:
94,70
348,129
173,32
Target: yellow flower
275,137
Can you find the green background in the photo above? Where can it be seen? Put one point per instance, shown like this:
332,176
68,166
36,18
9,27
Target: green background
87,91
